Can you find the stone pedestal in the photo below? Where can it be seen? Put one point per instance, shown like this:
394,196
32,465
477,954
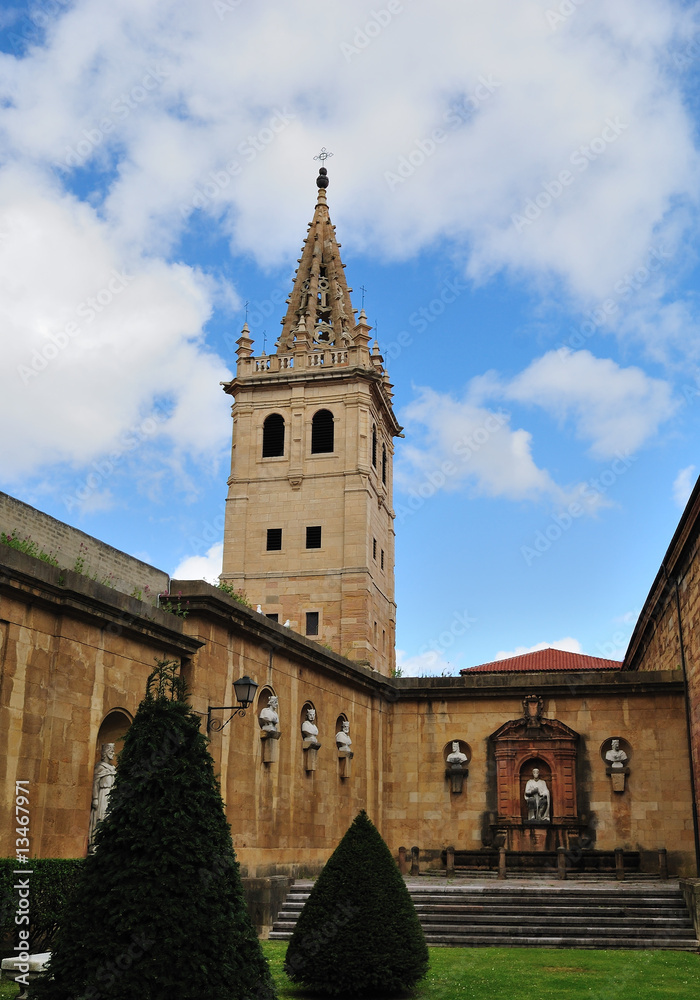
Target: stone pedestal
526,836
618,776
311,748
344,763
456,774
270,747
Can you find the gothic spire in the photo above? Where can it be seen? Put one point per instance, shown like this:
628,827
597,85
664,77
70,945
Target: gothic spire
320,300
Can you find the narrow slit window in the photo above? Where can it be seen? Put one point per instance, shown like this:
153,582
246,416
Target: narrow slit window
274,539
273,436
313,537
322,433
312,622
374,549
382,559
374,447
384,464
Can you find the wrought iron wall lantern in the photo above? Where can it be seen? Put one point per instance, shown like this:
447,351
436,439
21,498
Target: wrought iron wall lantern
244,689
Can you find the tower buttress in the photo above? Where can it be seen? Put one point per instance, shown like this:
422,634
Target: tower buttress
309,531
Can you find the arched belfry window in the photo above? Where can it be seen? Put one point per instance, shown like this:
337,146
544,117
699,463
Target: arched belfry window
273,436
374,446
322,432
384,463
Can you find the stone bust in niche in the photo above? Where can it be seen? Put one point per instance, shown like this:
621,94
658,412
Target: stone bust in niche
309,730
456,758
269,718
616,757
342,738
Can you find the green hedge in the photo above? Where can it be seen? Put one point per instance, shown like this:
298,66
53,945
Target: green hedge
358,934
51,882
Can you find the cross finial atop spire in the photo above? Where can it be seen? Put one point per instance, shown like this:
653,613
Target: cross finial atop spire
322,179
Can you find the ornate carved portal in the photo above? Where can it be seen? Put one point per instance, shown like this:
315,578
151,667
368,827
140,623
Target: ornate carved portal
547,817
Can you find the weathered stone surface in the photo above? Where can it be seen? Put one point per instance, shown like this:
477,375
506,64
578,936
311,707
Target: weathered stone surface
72,547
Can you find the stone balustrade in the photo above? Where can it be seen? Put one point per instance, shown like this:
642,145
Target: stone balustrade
282,362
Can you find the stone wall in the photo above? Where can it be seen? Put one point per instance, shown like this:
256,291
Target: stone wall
667,634
74,653
68,545
285,819
655,810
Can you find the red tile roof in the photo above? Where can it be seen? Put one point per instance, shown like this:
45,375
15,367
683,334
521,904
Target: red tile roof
545,659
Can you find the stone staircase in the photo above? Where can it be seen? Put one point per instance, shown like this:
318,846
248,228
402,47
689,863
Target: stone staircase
537,914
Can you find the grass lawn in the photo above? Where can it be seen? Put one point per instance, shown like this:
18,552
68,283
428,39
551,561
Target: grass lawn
531,974
541,974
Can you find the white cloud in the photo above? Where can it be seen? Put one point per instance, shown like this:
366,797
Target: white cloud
170,107
460,441
615,409
96,337
206,567
683,486
569,644
147,97
463,442
430,664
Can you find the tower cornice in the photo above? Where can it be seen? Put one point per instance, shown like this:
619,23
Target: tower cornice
291,377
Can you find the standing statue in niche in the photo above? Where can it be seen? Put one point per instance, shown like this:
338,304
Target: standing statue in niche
537,798
342,739
269,718
105,773
309,729
616,757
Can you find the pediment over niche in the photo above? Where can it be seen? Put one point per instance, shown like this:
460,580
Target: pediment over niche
544,729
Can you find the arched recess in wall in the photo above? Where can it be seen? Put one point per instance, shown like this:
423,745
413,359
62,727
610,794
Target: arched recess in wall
273,436
322,432
113,730
339,722
264,696
526,770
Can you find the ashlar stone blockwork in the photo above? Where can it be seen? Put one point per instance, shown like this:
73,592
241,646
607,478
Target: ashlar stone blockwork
309,532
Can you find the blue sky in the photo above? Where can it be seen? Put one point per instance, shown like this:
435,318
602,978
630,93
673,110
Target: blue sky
515,184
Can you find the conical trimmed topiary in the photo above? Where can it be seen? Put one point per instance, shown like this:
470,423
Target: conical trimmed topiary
159,911
358,933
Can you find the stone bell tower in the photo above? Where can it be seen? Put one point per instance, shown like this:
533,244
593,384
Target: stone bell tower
309,532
